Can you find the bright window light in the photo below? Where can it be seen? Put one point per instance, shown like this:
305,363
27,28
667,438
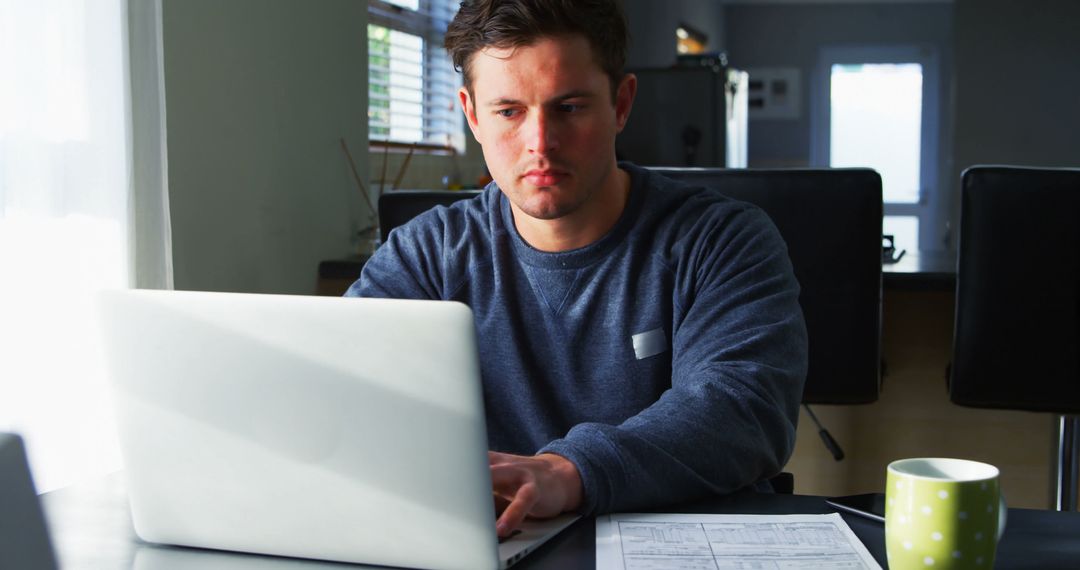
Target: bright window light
412,85
905,231
876,117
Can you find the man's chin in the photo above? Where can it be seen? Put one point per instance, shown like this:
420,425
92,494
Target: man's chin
545,212
546,208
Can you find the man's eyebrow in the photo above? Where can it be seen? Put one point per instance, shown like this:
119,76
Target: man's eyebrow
582,94
502,101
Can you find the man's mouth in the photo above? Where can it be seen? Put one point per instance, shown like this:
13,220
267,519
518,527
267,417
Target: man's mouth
545,176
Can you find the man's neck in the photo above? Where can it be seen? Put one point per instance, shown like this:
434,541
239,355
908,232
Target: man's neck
584,226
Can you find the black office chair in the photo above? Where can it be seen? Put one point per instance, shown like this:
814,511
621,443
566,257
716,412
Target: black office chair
1017,333
400,206
831,221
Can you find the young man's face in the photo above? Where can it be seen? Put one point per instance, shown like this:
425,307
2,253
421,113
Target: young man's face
544,115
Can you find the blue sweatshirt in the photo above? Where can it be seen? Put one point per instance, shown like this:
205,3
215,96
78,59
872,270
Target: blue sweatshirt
665,360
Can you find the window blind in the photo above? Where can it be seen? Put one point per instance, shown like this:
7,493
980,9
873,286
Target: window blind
412,86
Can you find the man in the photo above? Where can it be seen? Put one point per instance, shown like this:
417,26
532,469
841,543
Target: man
641,341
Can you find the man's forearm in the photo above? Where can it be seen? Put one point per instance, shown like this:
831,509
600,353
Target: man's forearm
726,428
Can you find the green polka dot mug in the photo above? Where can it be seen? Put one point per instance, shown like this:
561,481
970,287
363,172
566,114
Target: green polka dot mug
942,514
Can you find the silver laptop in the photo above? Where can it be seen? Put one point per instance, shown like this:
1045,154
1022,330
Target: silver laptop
337,429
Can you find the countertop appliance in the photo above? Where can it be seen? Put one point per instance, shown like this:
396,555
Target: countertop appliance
692,114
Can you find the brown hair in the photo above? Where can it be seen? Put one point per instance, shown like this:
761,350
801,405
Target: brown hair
513,23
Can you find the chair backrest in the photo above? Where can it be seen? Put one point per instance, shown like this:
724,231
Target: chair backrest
831,221
1016,343
400,206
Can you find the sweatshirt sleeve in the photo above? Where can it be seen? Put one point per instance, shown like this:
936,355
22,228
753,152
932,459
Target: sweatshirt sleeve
406,266
739,358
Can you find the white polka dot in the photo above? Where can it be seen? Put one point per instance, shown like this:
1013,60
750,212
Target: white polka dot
979,560
982,486
928,561
989,508
957,554
963,515
943,494
978,536
927,510
908,545
892,502
936,536
899,484
902,519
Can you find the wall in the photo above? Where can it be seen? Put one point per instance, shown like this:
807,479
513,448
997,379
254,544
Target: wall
789,35
1017,84
652,28
258,93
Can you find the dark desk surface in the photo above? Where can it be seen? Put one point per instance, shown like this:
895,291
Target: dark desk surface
921,271
91,528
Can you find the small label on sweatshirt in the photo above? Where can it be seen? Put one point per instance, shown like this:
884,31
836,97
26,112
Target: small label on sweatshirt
649,343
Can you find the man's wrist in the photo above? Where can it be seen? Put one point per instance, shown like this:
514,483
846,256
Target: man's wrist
566,473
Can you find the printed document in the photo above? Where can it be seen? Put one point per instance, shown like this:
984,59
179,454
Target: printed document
722,542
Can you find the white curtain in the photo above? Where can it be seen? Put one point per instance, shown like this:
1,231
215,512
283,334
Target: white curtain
72,201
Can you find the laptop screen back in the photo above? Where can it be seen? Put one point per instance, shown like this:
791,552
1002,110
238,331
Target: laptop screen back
330,428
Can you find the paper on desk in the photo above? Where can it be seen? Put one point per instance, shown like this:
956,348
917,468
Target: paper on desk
693,542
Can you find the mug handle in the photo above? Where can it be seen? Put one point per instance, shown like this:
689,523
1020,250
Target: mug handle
1002,511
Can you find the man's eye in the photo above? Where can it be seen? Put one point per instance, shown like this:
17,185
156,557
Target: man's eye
507,113
570,107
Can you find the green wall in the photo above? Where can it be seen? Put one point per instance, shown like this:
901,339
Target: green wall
258,93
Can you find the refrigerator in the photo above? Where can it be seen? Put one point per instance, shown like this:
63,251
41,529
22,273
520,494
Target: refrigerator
687,116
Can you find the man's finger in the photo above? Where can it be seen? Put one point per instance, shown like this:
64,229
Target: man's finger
506,479
500,504
516,511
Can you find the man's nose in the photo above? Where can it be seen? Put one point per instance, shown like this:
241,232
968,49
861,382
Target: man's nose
541,134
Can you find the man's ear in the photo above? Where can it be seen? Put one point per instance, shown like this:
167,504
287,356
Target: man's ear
624,100
469,108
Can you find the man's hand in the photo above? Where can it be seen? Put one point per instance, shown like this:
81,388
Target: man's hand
542,486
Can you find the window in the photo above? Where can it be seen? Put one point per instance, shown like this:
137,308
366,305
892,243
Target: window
70,195
876,121
877,107
412,85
